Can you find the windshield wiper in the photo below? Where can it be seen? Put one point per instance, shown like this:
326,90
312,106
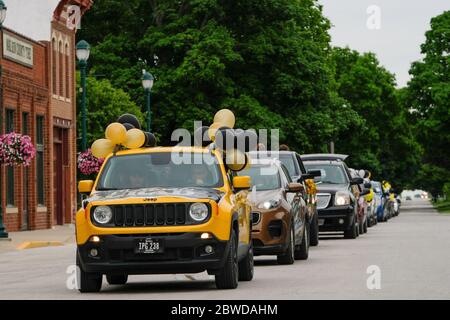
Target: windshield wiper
106,189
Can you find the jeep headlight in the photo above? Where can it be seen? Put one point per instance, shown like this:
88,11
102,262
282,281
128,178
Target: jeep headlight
198,211
102,214
342,198
271,204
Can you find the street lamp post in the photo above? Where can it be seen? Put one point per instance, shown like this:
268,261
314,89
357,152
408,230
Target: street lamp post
83,51
147,83
3,233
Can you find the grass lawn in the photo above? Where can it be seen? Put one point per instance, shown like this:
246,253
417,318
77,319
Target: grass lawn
442,206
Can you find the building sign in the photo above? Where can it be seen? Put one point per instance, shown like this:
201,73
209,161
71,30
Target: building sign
17,50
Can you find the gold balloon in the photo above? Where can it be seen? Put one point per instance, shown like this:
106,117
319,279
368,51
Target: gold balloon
225,117
213,129
135,139
236,160
102,147
116,132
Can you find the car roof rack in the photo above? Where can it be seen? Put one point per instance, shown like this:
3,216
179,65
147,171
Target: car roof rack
324,156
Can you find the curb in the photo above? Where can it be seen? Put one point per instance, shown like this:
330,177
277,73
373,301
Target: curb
39,244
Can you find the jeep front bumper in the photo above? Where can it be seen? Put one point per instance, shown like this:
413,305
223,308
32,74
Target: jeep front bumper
183,253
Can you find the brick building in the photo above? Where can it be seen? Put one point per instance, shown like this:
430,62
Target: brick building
38,99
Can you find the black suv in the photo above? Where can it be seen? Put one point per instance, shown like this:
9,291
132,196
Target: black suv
337,193
294,165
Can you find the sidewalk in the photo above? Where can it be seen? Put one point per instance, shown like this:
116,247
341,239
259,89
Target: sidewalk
24,240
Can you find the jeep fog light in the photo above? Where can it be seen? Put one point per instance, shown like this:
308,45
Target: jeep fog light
198,211
95,239
94,252
205,235
341,221
102,214
209,249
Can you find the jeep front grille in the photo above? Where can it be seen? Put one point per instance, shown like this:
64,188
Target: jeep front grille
156,214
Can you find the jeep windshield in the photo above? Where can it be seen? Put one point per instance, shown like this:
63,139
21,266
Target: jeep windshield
330,173
161,170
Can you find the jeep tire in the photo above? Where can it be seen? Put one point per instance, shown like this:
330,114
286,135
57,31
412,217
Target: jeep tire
228,275
117,278
246,266
87,281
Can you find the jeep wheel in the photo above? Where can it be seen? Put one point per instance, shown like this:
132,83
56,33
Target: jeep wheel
88,282
117,278
228,275
352,233
302,251
314,231
288,256
246,266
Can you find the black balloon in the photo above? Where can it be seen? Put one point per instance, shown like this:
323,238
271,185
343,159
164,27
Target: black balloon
128,126
129,118
247,139
150,140
225,138
201,137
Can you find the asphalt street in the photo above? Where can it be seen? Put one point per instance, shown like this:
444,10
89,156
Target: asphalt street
407,258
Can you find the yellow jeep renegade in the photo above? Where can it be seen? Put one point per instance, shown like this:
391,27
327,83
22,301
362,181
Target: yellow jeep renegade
164,210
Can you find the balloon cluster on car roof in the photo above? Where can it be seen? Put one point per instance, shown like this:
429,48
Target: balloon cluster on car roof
234,143
124,133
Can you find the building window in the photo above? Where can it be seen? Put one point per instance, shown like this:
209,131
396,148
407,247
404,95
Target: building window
54,65
61,70
68,73
10,200
40,159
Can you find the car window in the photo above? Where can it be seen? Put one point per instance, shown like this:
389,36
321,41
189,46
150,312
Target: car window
263,177
330,173
149,170
286,174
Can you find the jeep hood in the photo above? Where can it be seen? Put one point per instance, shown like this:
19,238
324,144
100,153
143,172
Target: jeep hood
186,193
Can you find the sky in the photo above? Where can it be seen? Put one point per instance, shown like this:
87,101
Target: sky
402,26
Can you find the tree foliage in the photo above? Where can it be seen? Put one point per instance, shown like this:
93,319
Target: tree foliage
428,96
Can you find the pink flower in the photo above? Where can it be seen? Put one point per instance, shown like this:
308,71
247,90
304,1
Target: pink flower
16,149
88,164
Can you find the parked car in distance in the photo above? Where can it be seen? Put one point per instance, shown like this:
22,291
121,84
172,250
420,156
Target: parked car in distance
379,200
298,173
147,214
337,194
280,223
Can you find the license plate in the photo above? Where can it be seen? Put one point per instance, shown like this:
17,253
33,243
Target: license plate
149,245
321,222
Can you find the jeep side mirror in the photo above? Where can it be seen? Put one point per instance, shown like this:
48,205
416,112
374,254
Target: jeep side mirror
294,187
357,180
241,182
85,186
315,173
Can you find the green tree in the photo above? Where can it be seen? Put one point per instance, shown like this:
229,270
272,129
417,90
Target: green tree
266,60
104,105
383,142
428,97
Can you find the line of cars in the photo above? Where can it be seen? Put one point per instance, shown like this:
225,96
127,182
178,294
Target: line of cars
183,210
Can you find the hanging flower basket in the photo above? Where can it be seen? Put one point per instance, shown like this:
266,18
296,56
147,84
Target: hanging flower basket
88,164
16,149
